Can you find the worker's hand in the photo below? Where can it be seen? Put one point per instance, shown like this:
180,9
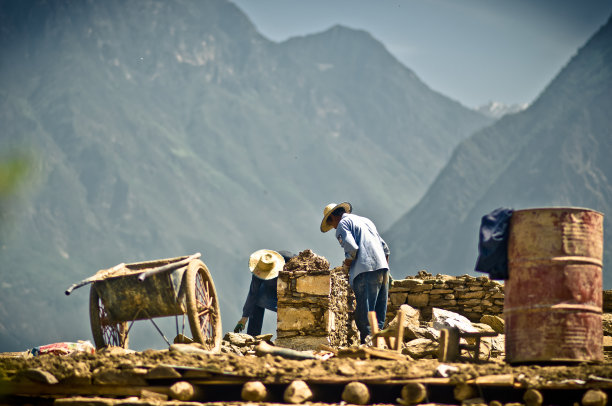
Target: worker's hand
347,262
240,326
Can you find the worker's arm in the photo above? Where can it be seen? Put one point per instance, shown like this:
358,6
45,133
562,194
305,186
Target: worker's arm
347,242
240,325
249,303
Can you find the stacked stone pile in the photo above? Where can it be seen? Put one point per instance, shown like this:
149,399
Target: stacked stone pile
472,297
309,314
243,344
421,338
343,330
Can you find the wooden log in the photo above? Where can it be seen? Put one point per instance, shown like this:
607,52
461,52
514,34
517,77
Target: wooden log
533,397
400,330
374,329
594,397
493,380
449,350
412,394
463,391
11,388
254,391
356,393
183,390
297,392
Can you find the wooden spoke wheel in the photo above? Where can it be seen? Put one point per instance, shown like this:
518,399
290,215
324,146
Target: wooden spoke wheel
203,306
105,332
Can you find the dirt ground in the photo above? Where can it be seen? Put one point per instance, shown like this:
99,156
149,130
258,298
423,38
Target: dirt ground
275,369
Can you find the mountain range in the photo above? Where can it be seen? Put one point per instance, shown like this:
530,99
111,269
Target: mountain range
154,129
554,153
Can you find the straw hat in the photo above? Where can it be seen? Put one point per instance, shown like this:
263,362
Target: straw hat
265,264
329,209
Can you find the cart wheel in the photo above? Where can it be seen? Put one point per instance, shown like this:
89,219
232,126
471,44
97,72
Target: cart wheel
105,333
203,306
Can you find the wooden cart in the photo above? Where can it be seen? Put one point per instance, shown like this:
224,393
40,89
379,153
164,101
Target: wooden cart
145,290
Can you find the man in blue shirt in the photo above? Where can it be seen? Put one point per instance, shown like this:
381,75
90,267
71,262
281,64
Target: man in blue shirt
265,265
367,257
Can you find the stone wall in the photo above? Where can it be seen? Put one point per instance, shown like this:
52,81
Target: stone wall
467,295
315,304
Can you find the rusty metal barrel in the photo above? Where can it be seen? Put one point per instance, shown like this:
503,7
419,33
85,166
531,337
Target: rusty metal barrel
553,295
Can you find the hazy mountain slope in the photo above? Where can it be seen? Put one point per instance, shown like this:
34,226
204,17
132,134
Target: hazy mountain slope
555,153
160,129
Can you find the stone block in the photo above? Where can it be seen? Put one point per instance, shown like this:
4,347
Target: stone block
470,295
421,348
442,303
398,299
281,287
314,285
417,300
406,283
302,343
438,291
295,319
495,322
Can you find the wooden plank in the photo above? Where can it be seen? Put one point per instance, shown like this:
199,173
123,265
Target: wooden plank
374,329
493,380
39,389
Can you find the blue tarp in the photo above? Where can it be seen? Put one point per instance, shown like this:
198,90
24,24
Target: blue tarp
493,243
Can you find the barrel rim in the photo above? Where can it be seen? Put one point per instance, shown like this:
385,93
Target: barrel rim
550,208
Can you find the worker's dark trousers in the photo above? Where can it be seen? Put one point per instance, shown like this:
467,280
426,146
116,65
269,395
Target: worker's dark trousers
255,321
371,293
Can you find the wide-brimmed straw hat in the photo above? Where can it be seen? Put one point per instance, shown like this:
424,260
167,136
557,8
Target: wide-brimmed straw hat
329,210
265,264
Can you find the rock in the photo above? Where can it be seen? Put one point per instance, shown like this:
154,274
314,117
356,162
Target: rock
346,370
163,372
114,376
495,322
38,375
297,392
264,337
594,397
421,348
443,318
194,348
607,301
182,339
412,326
80,375
182,391
239,339
607,324
153,396
356,393
307,261
607,343
254,391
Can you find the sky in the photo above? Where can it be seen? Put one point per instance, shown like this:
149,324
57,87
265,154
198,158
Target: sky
473,51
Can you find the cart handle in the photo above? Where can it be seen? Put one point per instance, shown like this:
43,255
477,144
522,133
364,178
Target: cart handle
92,279
168,267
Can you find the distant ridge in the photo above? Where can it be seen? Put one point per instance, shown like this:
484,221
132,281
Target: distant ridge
161,129
555,153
